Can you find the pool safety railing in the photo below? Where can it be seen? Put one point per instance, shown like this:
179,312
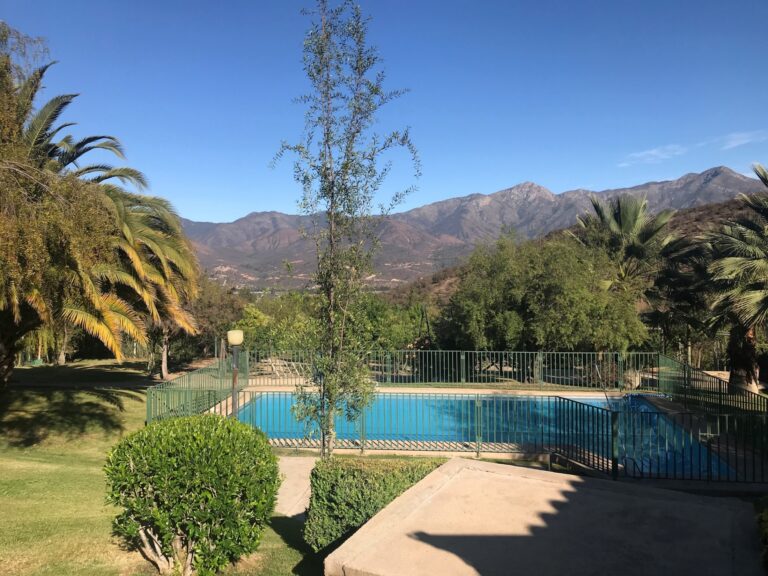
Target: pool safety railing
461,368
659,418
631,438
197,391
696,390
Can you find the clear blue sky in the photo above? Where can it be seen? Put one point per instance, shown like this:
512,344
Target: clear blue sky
569,93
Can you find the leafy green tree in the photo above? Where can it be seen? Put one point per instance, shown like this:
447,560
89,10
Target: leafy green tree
680,298
540,295
339,167
216,309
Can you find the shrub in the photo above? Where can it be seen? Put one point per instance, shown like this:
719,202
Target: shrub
196,492
347,492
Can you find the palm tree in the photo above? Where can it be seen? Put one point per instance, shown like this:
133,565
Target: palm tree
739,274
680,295
39,139
158,263
625,229
155,273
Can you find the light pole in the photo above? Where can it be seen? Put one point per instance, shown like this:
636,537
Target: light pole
235,339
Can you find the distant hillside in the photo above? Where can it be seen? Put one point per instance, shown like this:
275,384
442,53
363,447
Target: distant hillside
439,286
267,249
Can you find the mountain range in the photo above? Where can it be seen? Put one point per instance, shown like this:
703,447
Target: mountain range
267,249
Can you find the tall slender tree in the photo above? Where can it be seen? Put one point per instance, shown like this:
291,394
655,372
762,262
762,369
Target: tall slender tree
339,166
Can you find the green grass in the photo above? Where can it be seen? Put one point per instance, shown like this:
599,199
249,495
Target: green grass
56,426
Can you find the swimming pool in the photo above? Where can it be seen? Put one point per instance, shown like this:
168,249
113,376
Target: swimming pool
650,444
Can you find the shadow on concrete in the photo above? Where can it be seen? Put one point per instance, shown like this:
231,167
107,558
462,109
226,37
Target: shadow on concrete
579,536
289,529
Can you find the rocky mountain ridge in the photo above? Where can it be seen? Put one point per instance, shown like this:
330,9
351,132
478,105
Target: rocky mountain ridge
267,249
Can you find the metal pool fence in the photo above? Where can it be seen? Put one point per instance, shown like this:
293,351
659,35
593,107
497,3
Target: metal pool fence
624,437
459,368
694,427
195,392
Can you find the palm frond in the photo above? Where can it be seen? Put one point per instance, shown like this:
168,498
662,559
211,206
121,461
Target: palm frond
41,123
95,326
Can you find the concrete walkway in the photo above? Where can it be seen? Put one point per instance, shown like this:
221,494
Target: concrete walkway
469,518
293,495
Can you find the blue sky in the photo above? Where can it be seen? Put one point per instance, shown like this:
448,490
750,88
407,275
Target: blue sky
567,93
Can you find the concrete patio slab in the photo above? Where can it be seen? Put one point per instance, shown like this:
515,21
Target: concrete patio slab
293,495
469,518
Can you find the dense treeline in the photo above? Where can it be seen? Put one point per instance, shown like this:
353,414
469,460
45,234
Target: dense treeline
619,281
623,281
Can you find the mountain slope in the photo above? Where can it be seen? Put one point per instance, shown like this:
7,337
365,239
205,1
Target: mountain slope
267,249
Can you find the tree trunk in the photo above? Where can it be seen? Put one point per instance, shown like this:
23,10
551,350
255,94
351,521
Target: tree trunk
7,360
164,358
10,341
328,440
61,360
742,351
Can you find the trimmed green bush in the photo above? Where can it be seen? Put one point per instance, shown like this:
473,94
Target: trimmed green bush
347,492
196,492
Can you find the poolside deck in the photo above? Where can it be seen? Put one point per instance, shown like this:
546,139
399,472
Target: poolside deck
469,518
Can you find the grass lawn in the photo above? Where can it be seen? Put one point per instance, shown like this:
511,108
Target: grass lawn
56,426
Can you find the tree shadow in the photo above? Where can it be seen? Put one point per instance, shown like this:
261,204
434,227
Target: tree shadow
84,375
28,417
289,529
595,528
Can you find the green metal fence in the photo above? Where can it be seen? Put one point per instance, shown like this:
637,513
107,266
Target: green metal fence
696,390
649,416
628,437
462,368
195,392
586,434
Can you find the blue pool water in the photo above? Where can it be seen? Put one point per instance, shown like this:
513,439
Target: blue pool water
422,418
650,443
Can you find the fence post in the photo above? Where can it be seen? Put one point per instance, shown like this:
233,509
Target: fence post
614,445
720,396
389,367
463,366
478,425
620,372
659,386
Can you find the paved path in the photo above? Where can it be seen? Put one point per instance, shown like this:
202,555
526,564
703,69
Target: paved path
470,518
293,496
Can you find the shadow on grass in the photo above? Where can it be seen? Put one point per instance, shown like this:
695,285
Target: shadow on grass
67,401
84,375
289,530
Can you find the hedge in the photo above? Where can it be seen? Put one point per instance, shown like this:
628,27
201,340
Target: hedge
347,492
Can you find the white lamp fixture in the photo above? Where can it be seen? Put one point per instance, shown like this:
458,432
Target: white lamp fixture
235,337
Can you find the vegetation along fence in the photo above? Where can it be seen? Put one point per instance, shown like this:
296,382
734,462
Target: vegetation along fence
647,416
